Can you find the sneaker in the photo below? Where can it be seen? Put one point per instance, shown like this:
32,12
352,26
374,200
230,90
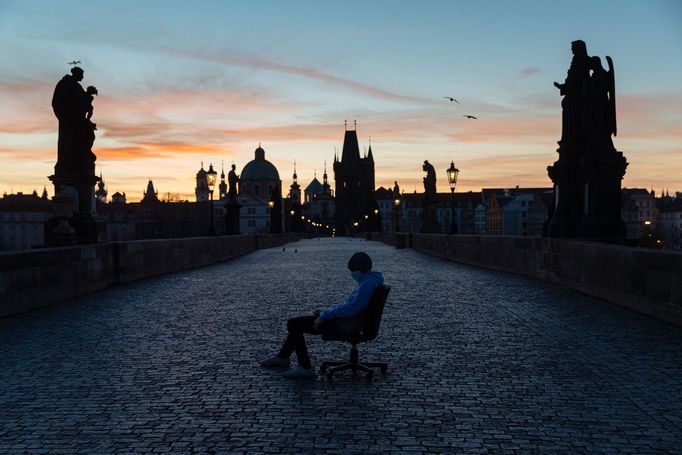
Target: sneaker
275,362
300,373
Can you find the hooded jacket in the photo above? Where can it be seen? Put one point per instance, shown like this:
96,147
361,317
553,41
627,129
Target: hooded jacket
346,315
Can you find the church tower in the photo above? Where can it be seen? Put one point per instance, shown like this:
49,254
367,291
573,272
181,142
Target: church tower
354,176
222,188
201,190
151,195
295,189
101,193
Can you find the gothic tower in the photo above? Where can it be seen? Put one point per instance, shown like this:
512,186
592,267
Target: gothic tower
222,188
354,176
295,189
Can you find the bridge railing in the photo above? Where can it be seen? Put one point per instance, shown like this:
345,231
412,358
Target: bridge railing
35,278
644,280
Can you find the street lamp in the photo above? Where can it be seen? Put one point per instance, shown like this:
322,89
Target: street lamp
210,179
396,203
453,173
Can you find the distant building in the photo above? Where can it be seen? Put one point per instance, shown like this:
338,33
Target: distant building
201,190
22,220
101,193
222,187
118,198
670,223
257,182
386,206
638,211
150,196
319,205
354,177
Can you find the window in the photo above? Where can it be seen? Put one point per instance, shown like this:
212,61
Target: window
251,211
251,223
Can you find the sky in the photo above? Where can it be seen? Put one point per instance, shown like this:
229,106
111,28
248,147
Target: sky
181,83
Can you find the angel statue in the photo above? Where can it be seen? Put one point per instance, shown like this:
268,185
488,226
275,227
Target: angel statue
600,105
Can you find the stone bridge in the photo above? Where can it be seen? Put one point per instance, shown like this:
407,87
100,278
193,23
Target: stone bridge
479,361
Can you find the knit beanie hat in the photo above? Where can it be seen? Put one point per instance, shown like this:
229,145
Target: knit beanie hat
360,262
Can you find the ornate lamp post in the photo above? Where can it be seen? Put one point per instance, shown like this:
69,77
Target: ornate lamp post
453,173
210,179
396,204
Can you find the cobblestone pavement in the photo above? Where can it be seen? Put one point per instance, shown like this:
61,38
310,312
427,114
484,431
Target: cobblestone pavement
479,361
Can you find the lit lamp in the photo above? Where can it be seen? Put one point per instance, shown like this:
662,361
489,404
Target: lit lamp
453,173
396,203
271,204
210,179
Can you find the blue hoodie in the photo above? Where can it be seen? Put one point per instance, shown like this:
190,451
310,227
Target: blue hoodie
345,314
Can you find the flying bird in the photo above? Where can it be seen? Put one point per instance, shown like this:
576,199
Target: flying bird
451,99
470,116
75,62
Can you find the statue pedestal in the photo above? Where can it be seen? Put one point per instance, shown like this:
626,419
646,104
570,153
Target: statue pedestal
603,171
80,191
566,174
430,216
232,217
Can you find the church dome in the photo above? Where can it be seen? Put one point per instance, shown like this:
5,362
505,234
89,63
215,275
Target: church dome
259,168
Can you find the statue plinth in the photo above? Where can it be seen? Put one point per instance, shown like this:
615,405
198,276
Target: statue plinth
430,223
568,192
81,189
603,171
232,208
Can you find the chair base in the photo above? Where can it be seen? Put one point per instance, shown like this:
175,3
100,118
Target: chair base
354,365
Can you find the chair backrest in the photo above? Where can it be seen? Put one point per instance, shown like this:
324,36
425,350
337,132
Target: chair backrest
373,313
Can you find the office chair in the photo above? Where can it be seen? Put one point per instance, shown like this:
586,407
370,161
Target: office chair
369,331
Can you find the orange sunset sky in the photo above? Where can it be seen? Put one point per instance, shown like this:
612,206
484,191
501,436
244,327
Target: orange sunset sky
183,83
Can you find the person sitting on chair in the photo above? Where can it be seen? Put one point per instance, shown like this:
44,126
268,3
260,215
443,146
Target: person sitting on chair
344,317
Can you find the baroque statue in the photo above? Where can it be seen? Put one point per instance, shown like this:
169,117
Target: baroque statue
430,179
73,107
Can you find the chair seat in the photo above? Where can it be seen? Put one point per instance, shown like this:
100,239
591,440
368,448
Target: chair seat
350,337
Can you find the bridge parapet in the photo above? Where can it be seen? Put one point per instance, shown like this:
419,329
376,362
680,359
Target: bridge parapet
36,278
644,280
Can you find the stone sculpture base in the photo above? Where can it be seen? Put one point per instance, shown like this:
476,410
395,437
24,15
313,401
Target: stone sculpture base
603,173
80,190
430,216
232,218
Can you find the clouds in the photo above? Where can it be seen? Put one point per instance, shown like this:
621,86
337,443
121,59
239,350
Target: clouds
172,98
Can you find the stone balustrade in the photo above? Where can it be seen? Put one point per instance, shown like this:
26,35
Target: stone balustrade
36,278
644,280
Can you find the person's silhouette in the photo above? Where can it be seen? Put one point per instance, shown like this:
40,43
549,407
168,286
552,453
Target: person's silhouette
344,317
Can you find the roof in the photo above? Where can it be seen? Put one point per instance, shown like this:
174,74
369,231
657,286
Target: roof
24,203
314,186
259,168
351,149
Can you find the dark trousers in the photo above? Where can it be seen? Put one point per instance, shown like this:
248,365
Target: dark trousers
295,341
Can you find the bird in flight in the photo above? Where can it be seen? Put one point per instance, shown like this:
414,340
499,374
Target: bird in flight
75,62
451,99
470,116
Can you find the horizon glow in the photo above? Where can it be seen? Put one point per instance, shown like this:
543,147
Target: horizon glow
183,84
